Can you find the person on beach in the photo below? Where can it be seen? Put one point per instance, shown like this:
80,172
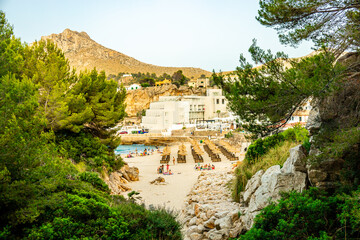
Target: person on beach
174,160
136,152
167,167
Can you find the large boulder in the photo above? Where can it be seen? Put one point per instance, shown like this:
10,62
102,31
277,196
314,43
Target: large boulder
133,174
251,186
265,187
130,173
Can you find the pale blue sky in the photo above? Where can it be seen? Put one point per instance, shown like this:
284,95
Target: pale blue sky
209,34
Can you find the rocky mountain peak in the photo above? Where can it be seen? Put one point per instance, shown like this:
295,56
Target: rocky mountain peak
84,53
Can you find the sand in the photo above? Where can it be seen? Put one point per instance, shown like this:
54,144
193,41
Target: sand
171,195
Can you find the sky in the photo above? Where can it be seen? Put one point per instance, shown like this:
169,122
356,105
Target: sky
209,34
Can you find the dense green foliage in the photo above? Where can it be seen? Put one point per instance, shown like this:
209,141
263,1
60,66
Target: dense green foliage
50,116
262,145
309,215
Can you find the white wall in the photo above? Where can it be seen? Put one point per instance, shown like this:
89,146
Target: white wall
163,114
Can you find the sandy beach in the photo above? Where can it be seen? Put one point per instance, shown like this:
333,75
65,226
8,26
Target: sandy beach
178,185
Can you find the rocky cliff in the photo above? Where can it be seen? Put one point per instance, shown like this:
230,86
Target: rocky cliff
84,53
118,180
137,100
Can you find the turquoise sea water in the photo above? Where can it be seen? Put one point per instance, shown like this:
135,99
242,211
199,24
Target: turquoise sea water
125,149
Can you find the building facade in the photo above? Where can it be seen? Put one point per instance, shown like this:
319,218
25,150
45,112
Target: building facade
170,110
165,113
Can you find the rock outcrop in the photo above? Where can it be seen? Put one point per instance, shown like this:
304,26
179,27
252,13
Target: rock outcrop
265,187
324,174
84,53
137,100
118,180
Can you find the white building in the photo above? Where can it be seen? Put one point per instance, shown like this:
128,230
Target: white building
206,107
170,110
165,113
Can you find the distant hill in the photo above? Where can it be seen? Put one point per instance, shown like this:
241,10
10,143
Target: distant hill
84,53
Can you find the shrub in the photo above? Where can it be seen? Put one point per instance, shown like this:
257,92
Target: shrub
149,224
262,146
228,135
311,214
94,180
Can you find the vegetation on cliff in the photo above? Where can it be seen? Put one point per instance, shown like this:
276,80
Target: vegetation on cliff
266,97
50,116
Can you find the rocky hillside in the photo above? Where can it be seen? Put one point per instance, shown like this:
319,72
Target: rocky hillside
84,53
137,100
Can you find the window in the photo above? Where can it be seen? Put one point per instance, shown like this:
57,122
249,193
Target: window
223,101
299,119
217,101
292,118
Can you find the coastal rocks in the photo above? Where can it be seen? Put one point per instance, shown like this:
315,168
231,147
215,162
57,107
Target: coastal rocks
265,187
130,173
158,181
209,211
117,180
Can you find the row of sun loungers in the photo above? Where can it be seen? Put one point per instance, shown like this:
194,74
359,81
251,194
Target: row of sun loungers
165,156
212,151
165,159
227,154
182,154
228,150
196,151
